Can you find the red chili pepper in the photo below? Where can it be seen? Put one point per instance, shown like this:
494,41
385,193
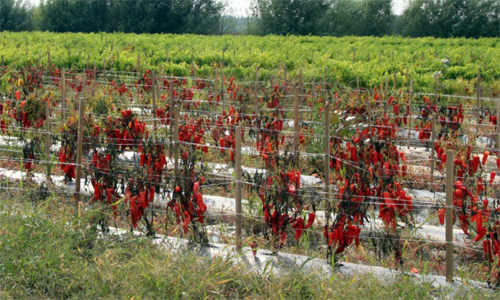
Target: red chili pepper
299,227
475,163
441,212
492,177
254,248
310,220
485,156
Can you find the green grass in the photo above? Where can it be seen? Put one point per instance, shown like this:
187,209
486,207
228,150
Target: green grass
50,252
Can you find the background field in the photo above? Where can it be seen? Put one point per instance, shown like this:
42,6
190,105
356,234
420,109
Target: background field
374,59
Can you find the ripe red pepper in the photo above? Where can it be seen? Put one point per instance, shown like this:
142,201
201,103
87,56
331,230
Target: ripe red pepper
441,212
485,156
492,177
310,220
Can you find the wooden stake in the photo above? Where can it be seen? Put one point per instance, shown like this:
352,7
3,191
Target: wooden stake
433,151
497,137
171,109
104,68
286,83
478,100
63,95
369,118
79,148
358,90
410,100
176,141
296,120
237,171
223,79
450,157
138,67
38,63
386,94
407,79
216,89
257,105
49,61
47,136
155,96
326,150
324,89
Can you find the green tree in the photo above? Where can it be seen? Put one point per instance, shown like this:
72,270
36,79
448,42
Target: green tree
358,17
452,18
283,17
15,15
137,16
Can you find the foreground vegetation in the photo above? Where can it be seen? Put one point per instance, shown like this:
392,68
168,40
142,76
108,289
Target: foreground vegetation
50,250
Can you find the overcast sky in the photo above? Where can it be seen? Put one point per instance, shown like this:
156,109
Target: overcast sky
240,7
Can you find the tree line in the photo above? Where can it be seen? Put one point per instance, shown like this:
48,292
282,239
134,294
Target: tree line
438,18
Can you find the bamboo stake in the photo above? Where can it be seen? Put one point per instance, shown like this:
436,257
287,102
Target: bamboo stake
433,150
450,157
478,100
257,104
386,94
104,68
216,89
172,110
49,61
63,96
38,63
286,79
237,172
358,90
79,148
296,120
176,141
327,150
409,112
223,79
369,118
138,67
497,137
407,79
154,99
47,135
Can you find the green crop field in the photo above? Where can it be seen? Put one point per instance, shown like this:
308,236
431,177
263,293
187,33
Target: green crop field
343,59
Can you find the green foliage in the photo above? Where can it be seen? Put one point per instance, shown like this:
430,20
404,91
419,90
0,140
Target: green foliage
452,18
15,15
137,16
375,59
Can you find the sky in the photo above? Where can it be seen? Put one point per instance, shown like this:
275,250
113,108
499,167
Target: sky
240,7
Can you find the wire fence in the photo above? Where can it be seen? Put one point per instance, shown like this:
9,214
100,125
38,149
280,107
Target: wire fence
419,124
